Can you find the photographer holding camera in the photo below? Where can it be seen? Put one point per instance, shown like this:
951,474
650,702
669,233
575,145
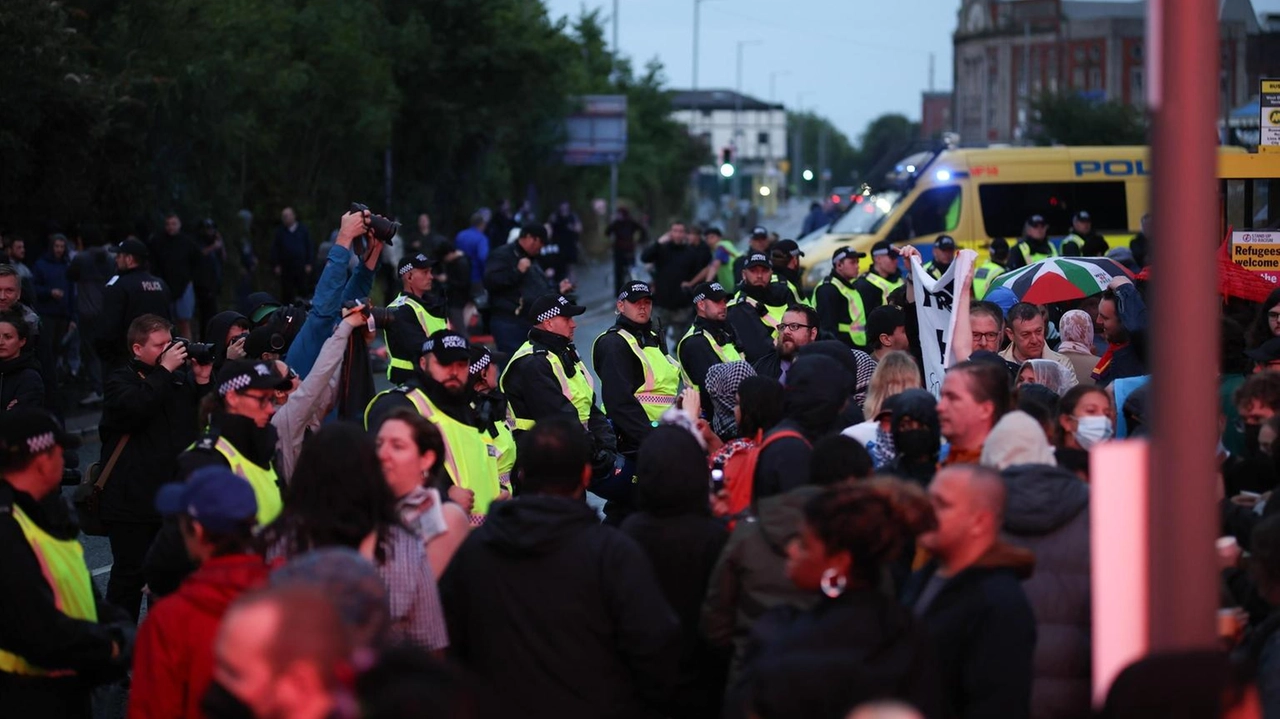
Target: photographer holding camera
418,313
335,287
148,417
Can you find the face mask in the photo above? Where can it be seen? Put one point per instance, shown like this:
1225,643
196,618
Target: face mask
218,703
1092,430
1252,447
916,444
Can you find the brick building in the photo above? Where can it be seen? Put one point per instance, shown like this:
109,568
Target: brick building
1007,51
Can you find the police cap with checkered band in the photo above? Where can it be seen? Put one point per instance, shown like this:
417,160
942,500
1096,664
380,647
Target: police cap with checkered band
553,305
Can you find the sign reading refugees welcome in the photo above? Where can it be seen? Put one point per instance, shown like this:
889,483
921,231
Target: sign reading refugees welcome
1257,252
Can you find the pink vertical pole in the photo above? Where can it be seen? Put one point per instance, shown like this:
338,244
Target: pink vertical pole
1183,589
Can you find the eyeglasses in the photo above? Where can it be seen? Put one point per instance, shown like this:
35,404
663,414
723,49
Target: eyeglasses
264,400
1273,316
988,336
792,326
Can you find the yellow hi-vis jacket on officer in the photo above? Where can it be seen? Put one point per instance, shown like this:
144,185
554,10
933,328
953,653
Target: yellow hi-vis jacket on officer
55,634
546,378
639,380
706,343
263,479
416,319
841,311
470,458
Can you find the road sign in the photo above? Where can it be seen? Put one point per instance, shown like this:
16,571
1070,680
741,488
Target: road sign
597,133
1269,114
1257,252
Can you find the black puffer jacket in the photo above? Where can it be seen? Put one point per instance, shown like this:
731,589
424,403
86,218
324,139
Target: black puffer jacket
20,383
1047,511
512,292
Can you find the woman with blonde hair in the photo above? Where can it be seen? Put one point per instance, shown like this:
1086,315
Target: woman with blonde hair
896,373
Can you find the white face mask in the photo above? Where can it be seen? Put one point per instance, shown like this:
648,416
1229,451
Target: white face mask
1091,430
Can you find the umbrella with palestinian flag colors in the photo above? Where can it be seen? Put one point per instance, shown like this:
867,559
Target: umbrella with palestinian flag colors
1059,279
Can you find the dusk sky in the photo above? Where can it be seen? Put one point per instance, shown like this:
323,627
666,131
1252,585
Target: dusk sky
852,60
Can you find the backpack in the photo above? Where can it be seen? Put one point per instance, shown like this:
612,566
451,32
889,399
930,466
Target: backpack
740,469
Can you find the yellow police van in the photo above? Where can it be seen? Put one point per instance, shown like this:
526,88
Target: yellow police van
974,195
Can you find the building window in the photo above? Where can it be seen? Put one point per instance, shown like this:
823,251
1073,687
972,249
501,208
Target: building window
1135,52
762,138
1095,78
1078,54
1137,90
1095,53
1077,78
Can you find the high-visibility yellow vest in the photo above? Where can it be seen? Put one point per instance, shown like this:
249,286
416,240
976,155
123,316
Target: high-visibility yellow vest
467,456
661,376
726,353
772,316
503,453
429,323
579,389
263,480
984,276
794,291
856,327
885,286
1030,257
62,564
1072,240
724,275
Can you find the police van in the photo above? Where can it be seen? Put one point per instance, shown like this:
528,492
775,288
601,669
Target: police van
974,195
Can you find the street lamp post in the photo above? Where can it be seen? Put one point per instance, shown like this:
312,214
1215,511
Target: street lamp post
798,144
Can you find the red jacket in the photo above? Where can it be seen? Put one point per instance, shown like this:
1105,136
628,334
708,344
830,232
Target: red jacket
173,654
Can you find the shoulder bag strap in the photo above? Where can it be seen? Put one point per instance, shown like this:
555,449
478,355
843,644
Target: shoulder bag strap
111,463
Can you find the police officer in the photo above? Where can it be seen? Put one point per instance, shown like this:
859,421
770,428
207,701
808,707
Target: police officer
710,340
546,378
758,307
1082,240
418,313
515,281
883,278
785,256
988,271
491,412
57,638
759,242
131,293
944,253
1034,245
842,314
638,379
440,392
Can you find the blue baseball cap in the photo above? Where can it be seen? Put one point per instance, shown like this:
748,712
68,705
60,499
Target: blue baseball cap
214,496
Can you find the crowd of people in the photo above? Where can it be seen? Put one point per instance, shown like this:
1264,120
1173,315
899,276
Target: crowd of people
792,524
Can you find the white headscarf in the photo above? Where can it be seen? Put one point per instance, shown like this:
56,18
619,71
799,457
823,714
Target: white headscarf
1016,439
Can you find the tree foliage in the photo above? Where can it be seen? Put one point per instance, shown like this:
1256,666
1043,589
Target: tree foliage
119,110
1068,118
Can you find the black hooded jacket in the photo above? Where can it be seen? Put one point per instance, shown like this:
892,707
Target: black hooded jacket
1047,512
20,383
817,389
561,612
917,450
675,529
215,332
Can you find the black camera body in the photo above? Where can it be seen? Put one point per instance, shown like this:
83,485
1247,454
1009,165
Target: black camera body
382,316
200,352
383,230
276,333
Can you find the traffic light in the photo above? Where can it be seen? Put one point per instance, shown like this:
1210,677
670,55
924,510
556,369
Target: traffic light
726,162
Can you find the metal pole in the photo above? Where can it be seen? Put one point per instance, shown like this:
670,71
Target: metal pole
697,7
614,47
737,123
1183,572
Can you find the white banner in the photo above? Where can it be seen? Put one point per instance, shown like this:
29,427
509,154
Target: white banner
934,302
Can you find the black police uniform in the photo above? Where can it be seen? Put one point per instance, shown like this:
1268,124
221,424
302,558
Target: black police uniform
405,336
621,374
755,338
833,309
128,296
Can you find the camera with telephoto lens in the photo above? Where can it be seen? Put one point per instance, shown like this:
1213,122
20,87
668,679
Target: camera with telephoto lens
382,228
382,316
199,352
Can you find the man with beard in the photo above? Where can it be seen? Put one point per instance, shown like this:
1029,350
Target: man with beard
491,412
1123,318
755,313
639,381
798,328
710,340
439,391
